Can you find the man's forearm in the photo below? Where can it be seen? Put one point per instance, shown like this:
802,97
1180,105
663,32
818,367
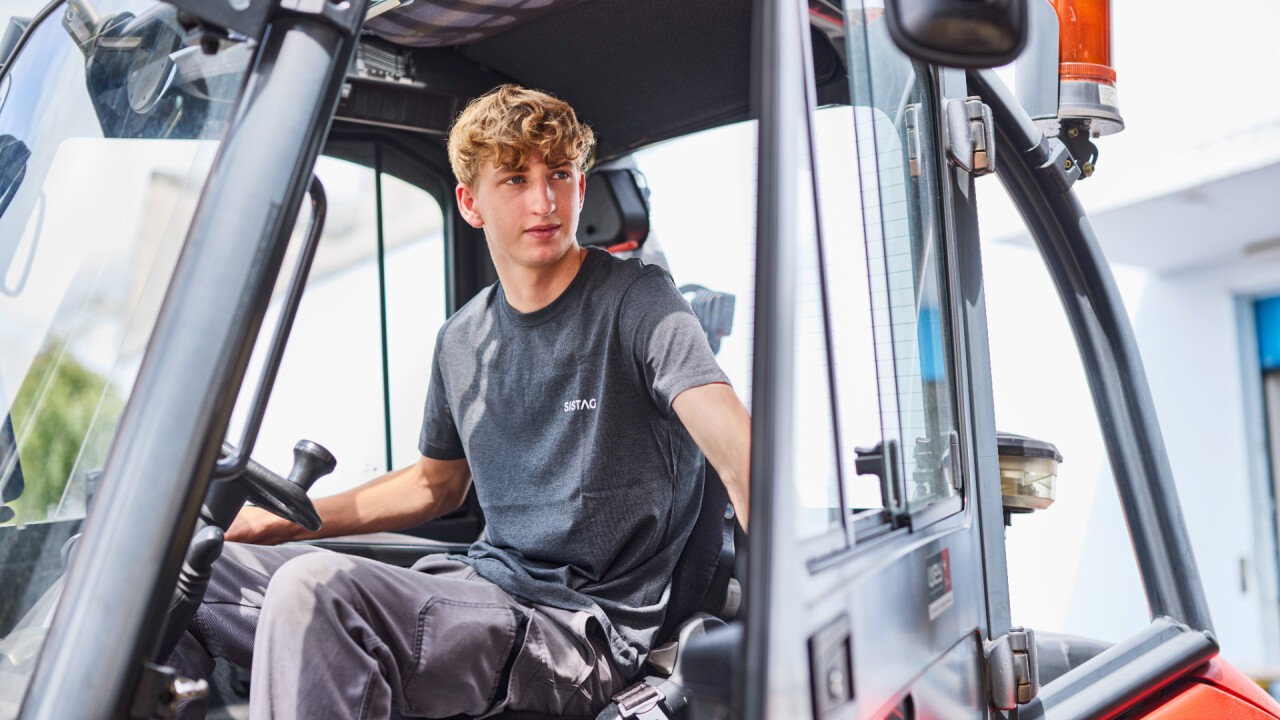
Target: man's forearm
395,501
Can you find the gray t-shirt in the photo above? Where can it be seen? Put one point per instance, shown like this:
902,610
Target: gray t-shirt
589,482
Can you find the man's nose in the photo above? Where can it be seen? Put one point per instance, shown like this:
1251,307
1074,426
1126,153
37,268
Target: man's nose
544,198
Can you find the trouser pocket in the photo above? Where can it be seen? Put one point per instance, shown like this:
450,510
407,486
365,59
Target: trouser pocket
462,649
561,669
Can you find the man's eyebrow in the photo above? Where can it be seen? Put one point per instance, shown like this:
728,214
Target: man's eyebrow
504,169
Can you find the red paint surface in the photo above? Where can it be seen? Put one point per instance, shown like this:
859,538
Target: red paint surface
1215,690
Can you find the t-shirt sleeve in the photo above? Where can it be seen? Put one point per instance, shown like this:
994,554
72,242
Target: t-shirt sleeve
664,336
439,439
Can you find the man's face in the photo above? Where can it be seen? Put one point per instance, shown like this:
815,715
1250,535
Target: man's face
529,214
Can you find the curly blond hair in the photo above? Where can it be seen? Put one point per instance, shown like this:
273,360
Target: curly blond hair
510,125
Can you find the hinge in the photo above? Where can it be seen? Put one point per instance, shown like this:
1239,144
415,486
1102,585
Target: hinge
1013,678
161,690
971,136
911,121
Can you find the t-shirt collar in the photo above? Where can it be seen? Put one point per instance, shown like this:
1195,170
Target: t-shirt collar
537,317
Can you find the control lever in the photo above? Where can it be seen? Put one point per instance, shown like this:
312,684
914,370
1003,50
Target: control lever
287,498
193,580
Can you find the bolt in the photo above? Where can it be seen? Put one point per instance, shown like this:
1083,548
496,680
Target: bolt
1073,132
1068,164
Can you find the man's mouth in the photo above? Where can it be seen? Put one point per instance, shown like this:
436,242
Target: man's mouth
543,232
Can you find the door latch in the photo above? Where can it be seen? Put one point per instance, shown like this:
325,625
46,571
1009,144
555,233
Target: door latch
1011,669
971,136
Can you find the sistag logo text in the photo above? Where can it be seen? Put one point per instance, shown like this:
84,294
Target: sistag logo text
573,405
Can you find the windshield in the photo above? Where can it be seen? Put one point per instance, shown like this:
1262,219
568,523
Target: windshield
110,116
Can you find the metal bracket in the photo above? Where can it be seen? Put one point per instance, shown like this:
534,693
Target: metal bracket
1055,159
251,17
1011,669
641,701
161,689
971,136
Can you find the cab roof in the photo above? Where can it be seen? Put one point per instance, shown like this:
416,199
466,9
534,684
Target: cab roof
637,72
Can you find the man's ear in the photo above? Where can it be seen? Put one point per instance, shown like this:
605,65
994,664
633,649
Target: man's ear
467,206
582,189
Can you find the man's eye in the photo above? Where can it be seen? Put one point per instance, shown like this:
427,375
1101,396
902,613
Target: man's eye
515,180
561,175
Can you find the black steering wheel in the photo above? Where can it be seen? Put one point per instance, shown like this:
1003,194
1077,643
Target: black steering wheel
287,497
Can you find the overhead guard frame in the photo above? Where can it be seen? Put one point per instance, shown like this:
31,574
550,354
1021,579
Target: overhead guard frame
1181,634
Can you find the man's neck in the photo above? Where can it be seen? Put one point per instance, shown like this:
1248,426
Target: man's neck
529,289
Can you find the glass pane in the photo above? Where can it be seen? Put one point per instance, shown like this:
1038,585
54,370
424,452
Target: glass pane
100,173
817,473
329,388
330,385
849,297
413,228
898,164
717,168
716,250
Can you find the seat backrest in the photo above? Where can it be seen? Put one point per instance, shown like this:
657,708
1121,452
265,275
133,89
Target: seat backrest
696,569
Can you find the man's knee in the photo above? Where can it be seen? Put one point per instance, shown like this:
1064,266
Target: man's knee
298,582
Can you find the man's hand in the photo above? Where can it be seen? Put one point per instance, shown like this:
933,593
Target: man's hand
259,527
400,499
721,427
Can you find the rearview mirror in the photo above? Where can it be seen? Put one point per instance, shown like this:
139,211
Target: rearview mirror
959,33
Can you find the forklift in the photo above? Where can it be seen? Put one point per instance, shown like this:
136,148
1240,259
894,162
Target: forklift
165,208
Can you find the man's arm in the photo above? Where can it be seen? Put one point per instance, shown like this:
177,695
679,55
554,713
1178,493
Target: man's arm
720,425
400,499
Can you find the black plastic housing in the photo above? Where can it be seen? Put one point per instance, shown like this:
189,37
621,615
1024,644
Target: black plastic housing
959,33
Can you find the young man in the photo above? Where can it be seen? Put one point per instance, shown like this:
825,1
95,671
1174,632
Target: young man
579,394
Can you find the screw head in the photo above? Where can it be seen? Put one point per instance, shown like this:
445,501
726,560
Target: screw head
1068,164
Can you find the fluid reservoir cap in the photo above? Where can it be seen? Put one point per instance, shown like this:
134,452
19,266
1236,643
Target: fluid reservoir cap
1028,472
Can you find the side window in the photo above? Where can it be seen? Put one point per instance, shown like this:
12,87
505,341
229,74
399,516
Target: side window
897,158
356,368
834,411
849,299
716,250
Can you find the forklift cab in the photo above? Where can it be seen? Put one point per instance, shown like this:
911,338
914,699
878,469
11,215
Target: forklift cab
225,227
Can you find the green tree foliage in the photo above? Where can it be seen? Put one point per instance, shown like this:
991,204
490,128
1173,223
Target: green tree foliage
61,409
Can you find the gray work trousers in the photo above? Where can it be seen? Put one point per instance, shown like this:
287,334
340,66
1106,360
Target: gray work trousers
327,635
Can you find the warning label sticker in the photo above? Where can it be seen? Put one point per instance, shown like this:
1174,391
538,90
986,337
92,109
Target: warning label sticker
938,579
1107,96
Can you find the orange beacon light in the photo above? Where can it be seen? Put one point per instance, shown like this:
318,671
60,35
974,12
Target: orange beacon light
1086,80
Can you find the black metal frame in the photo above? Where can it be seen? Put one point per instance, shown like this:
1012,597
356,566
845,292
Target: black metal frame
172,428
1181,635
975,406
776,53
